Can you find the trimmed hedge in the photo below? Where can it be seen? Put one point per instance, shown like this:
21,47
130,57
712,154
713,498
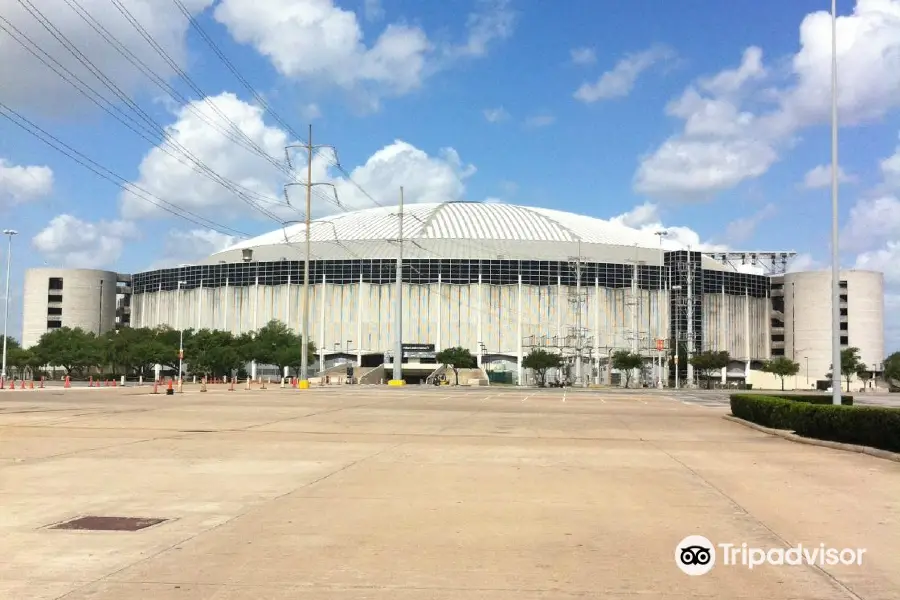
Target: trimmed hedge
811,399
873,426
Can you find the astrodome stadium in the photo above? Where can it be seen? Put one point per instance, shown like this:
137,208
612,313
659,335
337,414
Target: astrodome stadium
498,279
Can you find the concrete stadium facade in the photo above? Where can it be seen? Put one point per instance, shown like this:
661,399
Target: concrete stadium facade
497,279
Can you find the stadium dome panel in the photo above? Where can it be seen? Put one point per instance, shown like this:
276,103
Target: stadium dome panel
458,230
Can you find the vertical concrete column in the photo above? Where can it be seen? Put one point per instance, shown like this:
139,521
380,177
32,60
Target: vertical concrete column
597,330
479,306
158,305
359,320
225,310
723,330
438,346
520,370
200,306
559,305
287,304
255,317
747,334
322,322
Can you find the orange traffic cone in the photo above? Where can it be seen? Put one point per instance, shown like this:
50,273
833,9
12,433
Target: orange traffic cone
91,381
68,382
12,384
170,391
22,387
31,386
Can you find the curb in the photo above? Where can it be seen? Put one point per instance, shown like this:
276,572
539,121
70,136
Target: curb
793,437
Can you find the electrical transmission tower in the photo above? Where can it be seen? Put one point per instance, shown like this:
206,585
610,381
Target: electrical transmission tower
308,184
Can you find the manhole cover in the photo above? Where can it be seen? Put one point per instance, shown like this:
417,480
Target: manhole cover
108,523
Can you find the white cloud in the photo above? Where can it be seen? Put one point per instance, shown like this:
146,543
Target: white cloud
425,178
71,242
868,54
647,218
732,81
886,260
748,140
541,120
317,41
890,170
177,182
872,221
618,82
493,21
644,214
20,184
583,56
495,115
689,169
187,246
28,84
820,177
311,112
373,10
742,229
720,145
804,262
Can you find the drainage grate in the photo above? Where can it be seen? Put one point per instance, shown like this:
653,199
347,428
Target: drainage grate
108,523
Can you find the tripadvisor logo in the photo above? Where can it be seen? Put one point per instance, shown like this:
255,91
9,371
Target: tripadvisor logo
696,555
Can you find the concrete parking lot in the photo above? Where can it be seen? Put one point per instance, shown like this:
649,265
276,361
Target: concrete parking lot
422,493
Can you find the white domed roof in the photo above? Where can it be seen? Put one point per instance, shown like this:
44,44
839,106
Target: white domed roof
456,230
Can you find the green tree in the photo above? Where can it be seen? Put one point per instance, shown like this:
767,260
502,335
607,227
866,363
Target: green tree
540,361
781,366
17,357
623,360
457,358
275,344
864,374
75,350
709,362
850,364
892,369
210,353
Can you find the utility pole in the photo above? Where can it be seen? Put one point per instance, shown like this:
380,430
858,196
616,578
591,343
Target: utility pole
308,184
398,304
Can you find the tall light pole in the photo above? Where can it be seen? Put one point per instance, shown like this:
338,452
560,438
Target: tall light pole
662,266
180,333
9,233
398,306
835,253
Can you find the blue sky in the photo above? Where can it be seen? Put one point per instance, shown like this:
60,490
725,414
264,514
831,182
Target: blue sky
709,115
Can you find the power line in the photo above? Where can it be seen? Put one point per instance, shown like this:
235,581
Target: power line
149,125
49,139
